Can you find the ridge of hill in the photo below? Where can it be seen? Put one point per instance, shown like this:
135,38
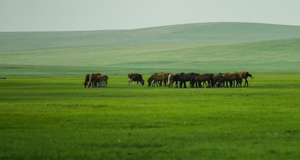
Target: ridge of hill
199,32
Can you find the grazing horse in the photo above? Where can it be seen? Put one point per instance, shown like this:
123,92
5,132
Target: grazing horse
135,77
157,77
102,80
171,80
173,77
231,78
182,78
86,80
199,78
245,75
92,79
217,80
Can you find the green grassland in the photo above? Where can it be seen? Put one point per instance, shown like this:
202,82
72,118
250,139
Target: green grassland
262,56
55,117
46,113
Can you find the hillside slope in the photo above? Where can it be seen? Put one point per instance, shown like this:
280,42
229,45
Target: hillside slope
201,32
260,56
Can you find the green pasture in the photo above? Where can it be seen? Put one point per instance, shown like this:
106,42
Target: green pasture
55,117
46,113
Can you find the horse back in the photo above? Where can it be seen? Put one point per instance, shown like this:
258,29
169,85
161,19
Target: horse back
135,77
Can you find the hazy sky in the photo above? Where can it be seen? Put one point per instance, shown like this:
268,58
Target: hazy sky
65,15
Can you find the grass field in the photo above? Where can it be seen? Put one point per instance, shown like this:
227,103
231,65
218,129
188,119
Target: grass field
55,117
46,113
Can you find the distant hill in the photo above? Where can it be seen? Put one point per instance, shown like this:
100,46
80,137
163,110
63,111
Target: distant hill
201,32
281,55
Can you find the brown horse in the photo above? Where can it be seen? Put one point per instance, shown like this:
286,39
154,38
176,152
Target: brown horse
245,75
135,77
231,78
101,80
157,77
92,79
86,80
182,78
217,80
199,78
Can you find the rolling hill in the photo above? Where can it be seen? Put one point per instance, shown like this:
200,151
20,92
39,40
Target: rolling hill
201,32
212,47
260,56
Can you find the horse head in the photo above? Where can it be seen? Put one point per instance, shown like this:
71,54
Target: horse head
150,80
142,82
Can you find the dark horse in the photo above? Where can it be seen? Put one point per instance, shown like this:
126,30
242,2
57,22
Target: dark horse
86,80
136,78
206,77
245,75
182,78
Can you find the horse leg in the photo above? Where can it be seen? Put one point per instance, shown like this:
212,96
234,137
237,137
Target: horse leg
245,82
156,83
204,83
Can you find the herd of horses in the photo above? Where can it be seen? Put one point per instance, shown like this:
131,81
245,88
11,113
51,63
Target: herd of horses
196,79
179,79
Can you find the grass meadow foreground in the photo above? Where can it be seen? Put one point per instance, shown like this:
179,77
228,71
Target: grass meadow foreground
55,117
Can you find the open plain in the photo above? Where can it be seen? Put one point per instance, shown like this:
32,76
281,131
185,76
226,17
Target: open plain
46,113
